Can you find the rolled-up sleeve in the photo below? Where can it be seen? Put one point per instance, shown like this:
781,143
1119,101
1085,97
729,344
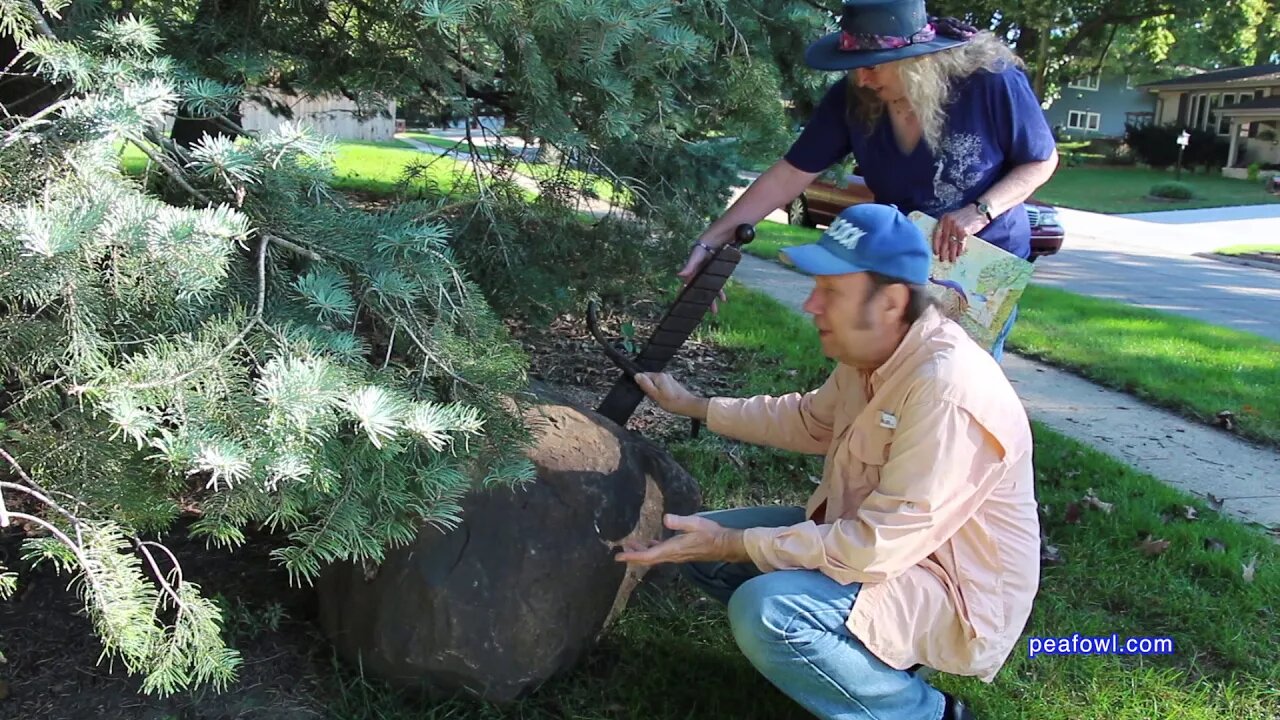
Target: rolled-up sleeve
942,465
798,422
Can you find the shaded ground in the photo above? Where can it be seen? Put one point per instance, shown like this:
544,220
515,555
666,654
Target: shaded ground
53,671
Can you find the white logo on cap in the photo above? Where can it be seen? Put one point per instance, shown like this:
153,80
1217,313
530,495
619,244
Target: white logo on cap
845,232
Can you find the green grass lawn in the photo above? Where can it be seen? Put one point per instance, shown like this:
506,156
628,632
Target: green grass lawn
456,145
1120,189
366,166
381,167
1190,366
592,184
1182,364
1248,249
772,236
670,656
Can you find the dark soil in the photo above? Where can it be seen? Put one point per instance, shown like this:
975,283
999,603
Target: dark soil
54,670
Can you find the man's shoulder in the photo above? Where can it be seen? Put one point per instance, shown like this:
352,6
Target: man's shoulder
956,369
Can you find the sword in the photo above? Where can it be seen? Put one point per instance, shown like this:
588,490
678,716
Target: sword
673,330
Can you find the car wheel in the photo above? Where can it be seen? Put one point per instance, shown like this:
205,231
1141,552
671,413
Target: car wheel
798,213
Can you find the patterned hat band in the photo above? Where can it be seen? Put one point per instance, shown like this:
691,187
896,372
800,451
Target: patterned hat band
946,27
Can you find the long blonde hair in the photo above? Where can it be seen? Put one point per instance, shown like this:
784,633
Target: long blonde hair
927,81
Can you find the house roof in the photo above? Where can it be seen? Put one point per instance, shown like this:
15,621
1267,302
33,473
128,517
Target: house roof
1255,106
1228,76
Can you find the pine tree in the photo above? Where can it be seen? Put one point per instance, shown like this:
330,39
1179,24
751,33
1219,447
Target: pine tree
233,341
228,337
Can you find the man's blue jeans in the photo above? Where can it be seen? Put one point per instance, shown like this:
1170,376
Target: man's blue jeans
790,625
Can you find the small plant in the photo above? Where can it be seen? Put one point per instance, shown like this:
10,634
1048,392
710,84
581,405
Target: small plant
629,338
1254,169
1172,191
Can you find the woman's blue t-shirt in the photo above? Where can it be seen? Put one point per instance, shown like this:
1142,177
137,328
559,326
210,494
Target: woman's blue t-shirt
994,123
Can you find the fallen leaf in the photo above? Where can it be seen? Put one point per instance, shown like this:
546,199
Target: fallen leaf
1249,410
1049,554
1226,420
815,479
1073,514
1092,501
1246,571
1152,546
1215,502
1214,545
1189,512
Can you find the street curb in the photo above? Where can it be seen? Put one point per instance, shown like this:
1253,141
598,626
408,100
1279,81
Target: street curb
1273,267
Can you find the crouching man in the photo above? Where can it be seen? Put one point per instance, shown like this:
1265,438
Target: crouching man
921,546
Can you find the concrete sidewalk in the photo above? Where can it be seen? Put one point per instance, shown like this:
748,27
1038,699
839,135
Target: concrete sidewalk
1186,455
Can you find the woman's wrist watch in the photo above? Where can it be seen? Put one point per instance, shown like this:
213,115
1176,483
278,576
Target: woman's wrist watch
983,208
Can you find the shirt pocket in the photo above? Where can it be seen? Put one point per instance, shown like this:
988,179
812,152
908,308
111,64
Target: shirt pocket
870,441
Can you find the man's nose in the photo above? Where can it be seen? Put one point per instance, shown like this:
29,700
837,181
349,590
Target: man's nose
812,305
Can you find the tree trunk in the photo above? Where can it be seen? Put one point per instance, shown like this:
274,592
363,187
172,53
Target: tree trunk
188,126
1042,63
188,129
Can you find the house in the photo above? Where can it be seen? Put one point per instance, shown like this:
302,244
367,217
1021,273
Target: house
1099,106
332,116
1241,104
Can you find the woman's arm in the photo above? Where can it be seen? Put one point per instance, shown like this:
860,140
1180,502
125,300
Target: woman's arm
1015,187
777,186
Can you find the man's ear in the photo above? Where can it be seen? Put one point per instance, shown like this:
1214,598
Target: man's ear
894,300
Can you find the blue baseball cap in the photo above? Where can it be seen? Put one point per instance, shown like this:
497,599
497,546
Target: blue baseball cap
867,237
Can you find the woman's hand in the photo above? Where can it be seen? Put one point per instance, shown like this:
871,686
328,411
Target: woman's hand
697,258
949,236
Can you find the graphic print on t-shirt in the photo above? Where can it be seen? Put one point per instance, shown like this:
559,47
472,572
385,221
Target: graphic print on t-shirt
957,169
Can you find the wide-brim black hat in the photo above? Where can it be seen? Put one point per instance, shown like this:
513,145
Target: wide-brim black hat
874,32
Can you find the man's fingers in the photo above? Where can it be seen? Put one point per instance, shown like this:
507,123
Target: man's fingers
639,544
647,556
646,384
689,523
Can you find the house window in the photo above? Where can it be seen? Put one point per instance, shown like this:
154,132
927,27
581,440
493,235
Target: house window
1082,120
1086,83
1221,121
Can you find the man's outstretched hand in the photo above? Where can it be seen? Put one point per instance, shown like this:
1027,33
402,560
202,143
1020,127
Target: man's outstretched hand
699,540
671,396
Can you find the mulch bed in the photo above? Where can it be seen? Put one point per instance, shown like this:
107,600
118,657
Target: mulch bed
53,671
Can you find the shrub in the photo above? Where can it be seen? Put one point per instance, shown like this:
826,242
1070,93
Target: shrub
1172,191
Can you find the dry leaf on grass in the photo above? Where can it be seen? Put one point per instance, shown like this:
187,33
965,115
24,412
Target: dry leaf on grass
1214,545
1247,571
1215,502
1073,513
1092,501
1049,554
1152,546
1189,512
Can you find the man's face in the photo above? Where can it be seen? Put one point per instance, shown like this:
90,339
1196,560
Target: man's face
854,326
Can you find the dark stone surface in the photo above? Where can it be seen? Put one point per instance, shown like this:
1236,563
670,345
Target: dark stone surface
523,587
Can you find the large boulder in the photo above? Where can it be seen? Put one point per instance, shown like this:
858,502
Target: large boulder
523,587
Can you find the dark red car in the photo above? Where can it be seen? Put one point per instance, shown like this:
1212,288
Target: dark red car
823,200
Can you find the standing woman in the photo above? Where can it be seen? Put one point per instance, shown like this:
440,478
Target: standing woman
940,118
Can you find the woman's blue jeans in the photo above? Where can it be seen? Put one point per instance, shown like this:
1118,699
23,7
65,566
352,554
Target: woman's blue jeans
790,625
997,349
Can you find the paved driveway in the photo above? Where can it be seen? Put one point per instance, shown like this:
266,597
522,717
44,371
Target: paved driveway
1151,262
